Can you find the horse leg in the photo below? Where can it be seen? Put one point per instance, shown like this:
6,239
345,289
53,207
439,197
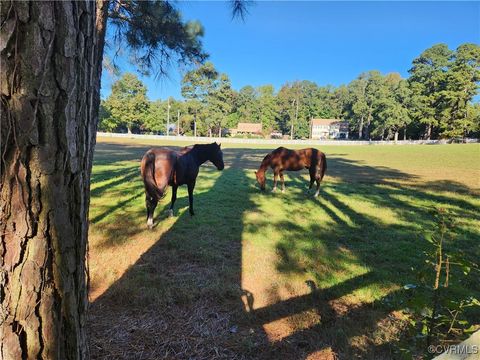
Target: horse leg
283,182
174,198
320,173
318,188
312,179
275,176
151,204
191,186
318,179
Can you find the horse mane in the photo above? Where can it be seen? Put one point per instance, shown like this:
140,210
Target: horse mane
205,146
204,150
266,161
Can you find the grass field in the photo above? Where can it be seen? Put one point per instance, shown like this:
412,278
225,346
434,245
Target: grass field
272,275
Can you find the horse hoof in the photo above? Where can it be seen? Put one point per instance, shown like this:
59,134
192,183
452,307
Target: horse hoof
170,213
150,223
274,189
283,191
316,194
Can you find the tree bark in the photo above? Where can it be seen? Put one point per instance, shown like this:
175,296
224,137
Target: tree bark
360,129
51,55
429,131
367,127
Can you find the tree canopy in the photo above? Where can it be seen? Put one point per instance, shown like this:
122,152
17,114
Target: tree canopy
127,105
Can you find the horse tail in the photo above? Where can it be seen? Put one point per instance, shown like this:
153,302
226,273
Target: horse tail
148,174
323,161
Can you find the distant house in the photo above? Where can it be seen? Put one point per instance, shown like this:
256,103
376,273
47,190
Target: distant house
247,128
328,129
276,135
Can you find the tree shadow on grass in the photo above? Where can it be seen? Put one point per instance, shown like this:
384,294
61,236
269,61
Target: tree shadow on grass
388,250
182,298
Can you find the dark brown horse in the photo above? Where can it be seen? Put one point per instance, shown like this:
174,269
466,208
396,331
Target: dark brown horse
162,167
282,159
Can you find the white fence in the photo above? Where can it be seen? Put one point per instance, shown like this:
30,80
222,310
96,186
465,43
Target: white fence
231,140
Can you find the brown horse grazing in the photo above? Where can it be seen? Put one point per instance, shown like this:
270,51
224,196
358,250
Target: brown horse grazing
282,159
163,167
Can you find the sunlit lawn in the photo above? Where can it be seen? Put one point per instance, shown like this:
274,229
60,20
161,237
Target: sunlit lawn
254,274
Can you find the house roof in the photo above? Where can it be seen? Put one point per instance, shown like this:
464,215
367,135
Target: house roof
249,127
326,121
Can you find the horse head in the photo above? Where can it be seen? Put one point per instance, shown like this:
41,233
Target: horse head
261,178
216,156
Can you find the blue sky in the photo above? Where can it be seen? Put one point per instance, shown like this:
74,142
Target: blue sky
324,42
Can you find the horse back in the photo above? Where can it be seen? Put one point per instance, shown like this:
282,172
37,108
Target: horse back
288,159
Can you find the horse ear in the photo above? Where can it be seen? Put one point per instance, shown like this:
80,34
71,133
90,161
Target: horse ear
219,145
255,173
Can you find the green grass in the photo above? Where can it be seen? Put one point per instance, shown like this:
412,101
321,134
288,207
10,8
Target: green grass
290,273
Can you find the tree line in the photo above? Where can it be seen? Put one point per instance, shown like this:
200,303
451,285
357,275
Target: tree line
437,100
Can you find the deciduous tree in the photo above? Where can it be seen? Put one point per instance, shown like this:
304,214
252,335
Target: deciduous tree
128,104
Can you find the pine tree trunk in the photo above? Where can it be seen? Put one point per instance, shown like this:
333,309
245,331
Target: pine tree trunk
396,136
50,80
429,131
405,134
